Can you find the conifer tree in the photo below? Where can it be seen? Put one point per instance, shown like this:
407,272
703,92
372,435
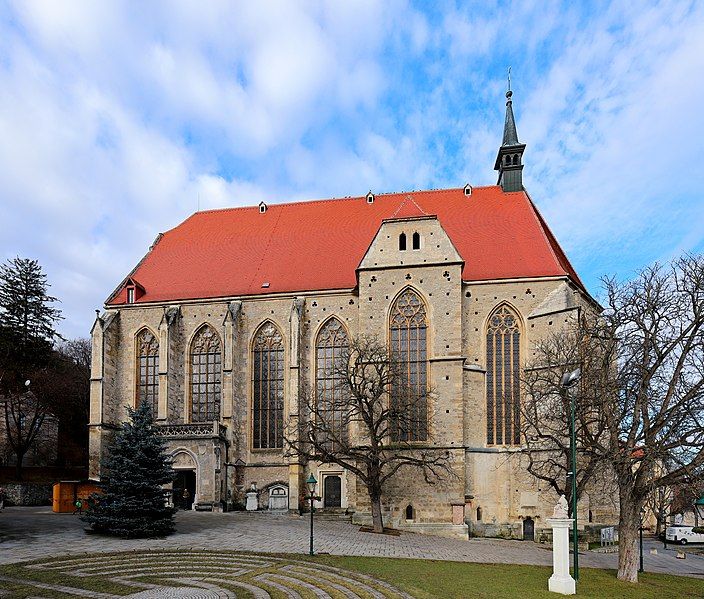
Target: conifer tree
27,317
27,333
133,503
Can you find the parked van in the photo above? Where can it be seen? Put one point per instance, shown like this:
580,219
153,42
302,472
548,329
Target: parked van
683,534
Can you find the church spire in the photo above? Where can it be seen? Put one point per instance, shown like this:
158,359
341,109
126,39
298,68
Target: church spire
509,160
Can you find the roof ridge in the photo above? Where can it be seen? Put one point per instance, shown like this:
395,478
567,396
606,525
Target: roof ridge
342,199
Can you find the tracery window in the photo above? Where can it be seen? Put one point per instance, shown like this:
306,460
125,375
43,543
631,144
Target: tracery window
148,370
268,388
503,416
409,351
206,373
331,350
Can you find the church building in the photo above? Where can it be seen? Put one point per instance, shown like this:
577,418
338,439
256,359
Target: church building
231,314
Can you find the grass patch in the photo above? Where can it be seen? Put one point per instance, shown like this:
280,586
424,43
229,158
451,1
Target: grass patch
422,579
427,579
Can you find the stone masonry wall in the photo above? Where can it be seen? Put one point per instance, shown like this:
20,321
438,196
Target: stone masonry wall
491,478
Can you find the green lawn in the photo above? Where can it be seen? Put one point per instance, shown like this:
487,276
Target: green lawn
422,579
451,580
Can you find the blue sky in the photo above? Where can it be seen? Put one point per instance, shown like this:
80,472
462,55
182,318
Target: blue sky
117,119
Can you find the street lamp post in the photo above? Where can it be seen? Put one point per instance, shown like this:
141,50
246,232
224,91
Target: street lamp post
569,379
311,482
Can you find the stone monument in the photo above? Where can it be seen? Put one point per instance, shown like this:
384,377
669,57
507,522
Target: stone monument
561,581
252,503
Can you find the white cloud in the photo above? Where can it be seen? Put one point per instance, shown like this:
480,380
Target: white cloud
117,121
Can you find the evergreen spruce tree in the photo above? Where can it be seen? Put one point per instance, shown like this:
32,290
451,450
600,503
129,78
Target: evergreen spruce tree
133,503
27,317
27,334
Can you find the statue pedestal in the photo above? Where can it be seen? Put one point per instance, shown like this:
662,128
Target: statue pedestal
252,503
561,581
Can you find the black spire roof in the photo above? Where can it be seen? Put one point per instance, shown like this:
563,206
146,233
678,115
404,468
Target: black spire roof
510,134
509,160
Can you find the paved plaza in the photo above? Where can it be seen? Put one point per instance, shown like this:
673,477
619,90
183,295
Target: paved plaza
34,533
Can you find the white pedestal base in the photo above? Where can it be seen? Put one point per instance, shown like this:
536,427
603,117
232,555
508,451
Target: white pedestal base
252,503
562,584
561,581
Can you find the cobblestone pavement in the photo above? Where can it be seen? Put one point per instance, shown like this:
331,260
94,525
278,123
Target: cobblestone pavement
194,574
33,533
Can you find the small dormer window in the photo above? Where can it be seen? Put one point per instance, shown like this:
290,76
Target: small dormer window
370,197
402,242
130,295
262,207
416,240
468,190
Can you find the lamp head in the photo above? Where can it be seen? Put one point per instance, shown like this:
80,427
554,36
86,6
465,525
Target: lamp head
571,378
311,482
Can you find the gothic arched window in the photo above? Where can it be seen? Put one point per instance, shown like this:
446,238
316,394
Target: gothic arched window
148,370
268,388
503,410
206,373
402,242
331,351
416,241
409,351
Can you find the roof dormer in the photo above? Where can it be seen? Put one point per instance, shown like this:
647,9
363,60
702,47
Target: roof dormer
133,291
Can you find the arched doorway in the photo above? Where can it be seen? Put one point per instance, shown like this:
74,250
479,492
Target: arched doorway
332,491
528,529
184,489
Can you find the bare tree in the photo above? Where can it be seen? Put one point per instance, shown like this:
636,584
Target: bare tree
659,503
59,391
684,496
647,386
373,419
546,409
24,416
654,328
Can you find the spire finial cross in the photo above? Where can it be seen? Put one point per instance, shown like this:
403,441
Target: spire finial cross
509,93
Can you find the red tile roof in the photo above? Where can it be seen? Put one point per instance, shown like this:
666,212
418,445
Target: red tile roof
318,245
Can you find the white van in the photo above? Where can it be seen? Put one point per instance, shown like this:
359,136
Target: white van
683,534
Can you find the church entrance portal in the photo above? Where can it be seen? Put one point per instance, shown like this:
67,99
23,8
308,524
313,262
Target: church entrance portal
184,489
332,491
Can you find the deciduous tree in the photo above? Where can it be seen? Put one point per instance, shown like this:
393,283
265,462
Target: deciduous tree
646,385
369,422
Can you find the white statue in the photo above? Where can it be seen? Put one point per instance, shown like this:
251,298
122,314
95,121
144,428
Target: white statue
561,510
252,502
